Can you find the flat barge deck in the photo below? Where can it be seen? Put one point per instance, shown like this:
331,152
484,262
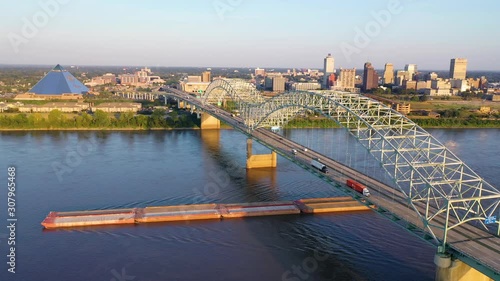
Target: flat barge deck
200,212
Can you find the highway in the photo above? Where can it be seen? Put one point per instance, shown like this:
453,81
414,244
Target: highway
466,240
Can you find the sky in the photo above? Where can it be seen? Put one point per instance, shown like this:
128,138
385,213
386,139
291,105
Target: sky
251,33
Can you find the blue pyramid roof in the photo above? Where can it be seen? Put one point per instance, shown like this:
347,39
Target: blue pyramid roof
58,81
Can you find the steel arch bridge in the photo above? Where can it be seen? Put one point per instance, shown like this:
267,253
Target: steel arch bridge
432,179
238,90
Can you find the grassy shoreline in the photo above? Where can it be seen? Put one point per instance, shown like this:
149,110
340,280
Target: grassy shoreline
198,128
158,123
94,129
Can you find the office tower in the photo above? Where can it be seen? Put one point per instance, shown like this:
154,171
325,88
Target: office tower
389,74
329,65
279,84
458,68
401,76
329,68
431,76
347,78
206,76
370,77
412,71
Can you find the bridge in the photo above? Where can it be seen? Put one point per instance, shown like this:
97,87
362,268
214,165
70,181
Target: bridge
436,195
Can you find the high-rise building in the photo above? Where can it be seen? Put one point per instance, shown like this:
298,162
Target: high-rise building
458,68
332,80
206,76
279,84
483,83
389,74
347,78
329,64
431,76
412,71
401,76
370,77
329,68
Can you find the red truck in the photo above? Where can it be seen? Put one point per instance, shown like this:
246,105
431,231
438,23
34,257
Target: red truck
358,187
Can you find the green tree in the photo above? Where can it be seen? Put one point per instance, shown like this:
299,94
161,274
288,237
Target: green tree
101,119
126,119
21,120
142,121
56,118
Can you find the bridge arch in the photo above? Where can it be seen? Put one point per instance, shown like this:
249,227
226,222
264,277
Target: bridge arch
431,177
238,90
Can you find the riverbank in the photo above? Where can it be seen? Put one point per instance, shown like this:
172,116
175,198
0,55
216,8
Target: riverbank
99,120
434,123
150,124
227,127
95,129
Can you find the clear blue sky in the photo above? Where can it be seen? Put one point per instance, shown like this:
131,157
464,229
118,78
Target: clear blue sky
251,33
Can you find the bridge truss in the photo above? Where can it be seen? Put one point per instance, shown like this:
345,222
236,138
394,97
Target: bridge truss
238,90
435,182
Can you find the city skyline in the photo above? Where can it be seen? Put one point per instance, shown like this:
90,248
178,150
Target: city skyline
247,34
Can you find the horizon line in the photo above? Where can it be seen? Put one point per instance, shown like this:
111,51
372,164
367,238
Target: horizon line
205,67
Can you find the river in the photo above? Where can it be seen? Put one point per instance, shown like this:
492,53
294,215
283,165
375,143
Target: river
65,171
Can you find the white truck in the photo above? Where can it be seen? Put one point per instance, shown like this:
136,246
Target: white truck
318,165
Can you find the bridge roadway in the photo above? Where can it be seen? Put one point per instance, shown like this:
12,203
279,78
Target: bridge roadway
477,247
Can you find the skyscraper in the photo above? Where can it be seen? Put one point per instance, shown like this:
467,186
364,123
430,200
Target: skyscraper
389,74
328,69
412,71
401,76
458,69
370,77
206,76
329,64
279,84
347,78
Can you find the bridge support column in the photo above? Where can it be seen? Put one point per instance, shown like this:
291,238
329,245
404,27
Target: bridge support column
182,104
260,161
208,122
456,270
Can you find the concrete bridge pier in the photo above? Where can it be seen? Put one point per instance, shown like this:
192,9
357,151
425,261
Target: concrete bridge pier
208,122
260,161
182,104
448,269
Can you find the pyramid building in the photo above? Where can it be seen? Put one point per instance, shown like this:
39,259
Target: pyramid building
58,82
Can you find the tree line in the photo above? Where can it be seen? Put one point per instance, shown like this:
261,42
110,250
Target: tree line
471,122
98,120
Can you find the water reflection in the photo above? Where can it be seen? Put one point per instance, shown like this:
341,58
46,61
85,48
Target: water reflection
137,169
